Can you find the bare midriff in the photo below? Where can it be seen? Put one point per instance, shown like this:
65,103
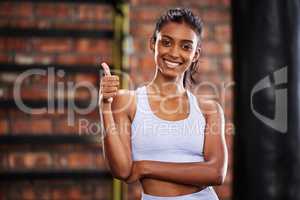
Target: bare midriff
164,188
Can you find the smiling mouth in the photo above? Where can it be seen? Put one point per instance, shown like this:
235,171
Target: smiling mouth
172,64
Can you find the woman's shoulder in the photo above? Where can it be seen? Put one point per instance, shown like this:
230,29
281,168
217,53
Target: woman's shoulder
124,96
124,101
208,106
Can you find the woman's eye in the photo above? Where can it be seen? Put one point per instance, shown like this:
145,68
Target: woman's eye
187,46
166,42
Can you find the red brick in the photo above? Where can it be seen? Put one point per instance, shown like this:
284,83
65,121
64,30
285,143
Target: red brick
57,193
44,23
82,93
211,3
24,9
205,66
28,192
73,190
29,160
140,46
3,162
145,14
81,59
32,126
142,30
43,126
100,163
21,126
147,67
20,9
226,65
61,126
223,33
103,191
147,63
16,113
34,92
81,160
74,193
93,46
95,12
228,91
4,127
5,57
133,63
18,22
14,44
94,114
207,33
4,91
155,2
91,78
22,58
214,16
6,9
212,48
52,45
54,10
89,25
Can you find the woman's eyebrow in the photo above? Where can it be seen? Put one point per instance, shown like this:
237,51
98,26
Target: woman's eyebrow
182,40
167,37
188,41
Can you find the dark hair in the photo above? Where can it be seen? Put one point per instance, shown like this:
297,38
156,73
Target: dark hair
182,15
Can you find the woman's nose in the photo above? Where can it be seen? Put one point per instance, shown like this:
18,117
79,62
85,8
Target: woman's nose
174,52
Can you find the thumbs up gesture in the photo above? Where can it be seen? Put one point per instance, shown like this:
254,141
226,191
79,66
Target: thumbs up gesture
109,85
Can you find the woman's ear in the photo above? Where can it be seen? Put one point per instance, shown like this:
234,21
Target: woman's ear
152,44
197,54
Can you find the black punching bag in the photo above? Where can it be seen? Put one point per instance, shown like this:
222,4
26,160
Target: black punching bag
266,57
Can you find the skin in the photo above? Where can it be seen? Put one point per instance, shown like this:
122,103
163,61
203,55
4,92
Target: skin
175,42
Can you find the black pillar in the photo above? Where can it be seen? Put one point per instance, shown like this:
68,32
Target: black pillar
266,57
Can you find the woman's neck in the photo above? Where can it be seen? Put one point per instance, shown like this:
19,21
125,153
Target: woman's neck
164,86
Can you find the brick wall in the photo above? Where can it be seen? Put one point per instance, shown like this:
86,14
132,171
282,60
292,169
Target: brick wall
53,51
215,68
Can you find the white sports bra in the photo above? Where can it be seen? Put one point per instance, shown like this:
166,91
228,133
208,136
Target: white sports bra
157,139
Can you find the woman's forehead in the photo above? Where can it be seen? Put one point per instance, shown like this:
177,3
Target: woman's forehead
178,31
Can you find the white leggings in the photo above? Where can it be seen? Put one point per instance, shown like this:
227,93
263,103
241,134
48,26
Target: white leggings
206,194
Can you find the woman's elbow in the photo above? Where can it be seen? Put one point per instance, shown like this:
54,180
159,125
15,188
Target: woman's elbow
121,175
219,178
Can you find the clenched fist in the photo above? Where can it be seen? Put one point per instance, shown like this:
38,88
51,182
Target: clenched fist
109,85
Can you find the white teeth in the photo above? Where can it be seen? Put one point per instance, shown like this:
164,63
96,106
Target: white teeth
171,64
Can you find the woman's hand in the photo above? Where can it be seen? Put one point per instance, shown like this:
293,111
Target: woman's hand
137,172
109,85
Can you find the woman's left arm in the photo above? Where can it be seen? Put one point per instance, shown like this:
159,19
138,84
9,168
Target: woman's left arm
210,172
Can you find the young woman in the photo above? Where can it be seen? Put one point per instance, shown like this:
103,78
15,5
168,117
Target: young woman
161,134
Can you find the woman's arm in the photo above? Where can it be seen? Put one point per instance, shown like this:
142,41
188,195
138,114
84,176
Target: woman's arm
210,172
117,126
116,140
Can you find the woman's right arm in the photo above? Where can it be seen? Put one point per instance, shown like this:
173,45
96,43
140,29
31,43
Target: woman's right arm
117,127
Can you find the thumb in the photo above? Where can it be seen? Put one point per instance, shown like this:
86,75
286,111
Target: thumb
106,69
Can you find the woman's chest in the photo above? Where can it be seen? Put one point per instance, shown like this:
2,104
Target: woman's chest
157,134
170,109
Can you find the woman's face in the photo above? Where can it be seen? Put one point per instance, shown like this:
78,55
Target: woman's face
175,48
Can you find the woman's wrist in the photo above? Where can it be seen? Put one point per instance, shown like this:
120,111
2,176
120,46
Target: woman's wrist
144,169
105,105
